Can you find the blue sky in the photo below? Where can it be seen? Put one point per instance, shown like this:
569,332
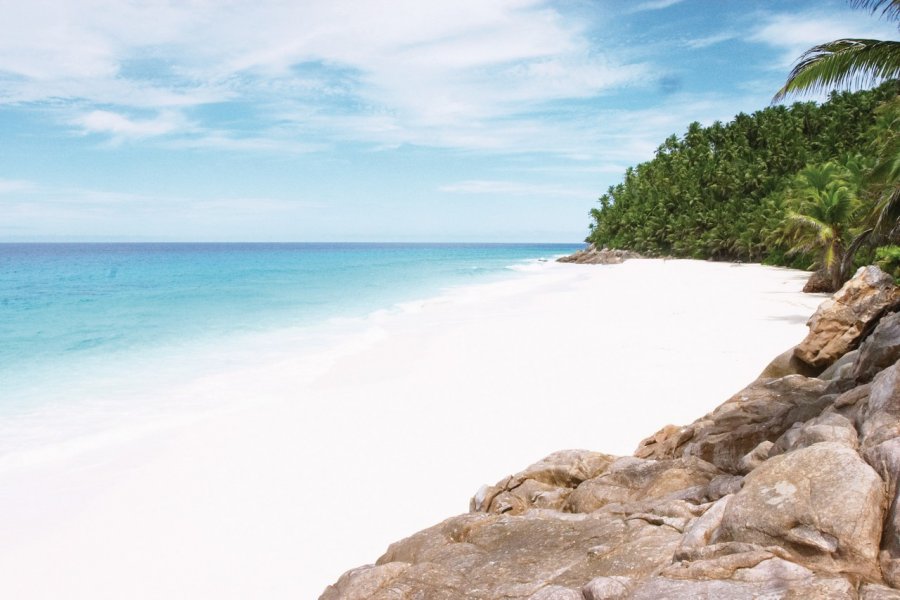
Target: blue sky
402,120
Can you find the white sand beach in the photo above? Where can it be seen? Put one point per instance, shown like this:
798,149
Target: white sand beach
322,458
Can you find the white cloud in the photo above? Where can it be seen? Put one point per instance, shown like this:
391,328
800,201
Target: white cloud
456,73
711,40
121,127
794,33
655,5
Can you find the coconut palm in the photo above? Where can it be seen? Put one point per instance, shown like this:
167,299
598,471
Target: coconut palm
848,63
881,224
885,176
824,206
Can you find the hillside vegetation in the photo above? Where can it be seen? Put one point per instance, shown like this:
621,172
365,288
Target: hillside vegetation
776,186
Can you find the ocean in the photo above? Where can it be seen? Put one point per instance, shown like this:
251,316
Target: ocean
110,323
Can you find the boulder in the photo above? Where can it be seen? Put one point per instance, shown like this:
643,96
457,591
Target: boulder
827,427
545,484
823,504
787,364
818,283
849,403
880,350
702,531
364,583
885,458
758,413
878,419
873,591
607,588
723,485
771,578
488,556
630,478
556,592
842,368
839,323
756,457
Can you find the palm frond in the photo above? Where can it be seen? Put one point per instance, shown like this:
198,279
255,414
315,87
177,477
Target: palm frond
887,170
798,222
890,9
847,63
887,213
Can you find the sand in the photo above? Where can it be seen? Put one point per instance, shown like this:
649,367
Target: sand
315,460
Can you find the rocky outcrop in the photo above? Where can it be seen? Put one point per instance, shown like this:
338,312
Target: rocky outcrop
761,412
841,321
605,256
787,490
818,283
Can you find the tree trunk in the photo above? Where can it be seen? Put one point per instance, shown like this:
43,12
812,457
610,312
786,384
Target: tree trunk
836,270
847,262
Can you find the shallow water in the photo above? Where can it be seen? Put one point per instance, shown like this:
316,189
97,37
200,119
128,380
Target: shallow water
82,321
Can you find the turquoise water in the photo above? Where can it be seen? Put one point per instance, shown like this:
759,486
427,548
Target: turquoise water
69,310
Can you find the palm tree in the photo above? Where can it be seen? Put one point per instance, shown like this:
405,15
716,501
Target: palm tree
883,179
847,63
886,174
824,205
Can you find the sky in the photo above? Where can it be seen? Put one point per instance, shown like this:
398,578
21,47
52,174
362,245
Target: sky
401,120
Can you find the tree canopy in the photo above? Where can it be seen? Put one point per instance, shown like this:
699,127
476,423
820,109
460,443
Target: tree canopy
724,191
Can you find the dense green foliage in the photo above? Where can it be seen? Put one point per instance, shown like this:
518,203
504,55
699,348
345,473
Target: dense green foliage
725,191
888,258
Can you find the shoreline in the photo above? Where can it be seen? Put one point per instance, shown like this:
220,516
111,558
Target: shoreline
399,431
314,343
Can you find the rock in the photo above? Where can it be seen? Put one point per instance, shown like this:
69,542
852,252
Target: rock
851,402
723,485
702,531
822,503
605,256
787,364
811,586
885,459
364,583
873,591
818,283
840,322
790,489
502,556
880,350
607,588
842,368
878,419
760,412
631,478
545,484
827,427
755,457
556,592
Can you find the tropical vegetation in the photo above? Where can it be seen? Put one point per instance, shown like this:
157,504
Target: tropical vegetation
724,192
807,185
